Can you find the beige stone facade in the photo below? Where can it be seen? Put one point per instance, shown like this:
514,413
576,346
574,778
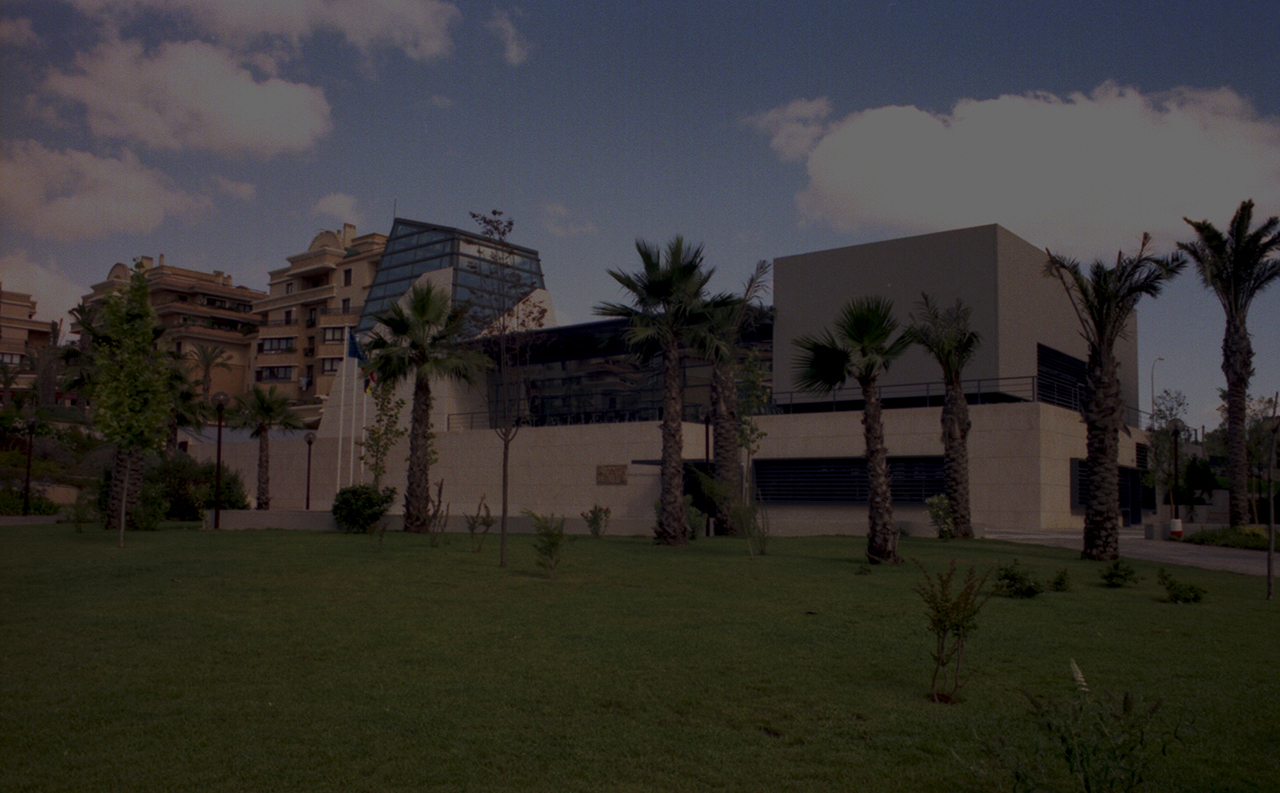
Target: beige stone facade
20,334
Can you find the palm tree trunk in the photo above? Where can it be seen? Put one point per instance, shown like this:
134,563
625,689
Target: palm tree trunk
1102,444
955,458
124,486
728,455
882,537
264,470
507,434
671,527
417,491
1237,365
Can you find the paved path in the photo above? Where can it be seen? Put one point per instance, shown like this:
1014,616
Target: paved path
1134,545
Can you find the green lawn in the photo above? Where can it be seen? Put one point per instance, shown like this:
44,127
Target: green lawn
273,660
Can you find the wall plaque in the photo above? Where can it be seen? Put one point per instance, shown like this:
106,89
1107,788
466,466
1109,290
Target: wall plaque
611,474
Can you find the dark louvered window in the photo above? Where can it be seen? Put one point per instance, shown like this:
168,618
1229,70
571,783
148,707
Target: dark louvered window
843,480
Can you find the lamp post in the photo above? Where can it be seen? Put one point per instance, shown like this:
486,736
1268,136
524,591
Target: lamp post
220,401
310,438
32,423
1153,390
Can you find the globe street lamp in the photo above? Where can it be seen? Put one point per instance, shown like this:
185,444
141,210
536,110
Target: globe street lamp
220,402
310,438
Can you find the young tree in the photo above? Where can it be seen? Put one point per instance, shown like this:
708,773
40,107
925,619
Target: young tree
1236,267
865,342
669,311
1166,407
204,359
384,432
418,339
510,321
1104,300
131,403
946,335
261,412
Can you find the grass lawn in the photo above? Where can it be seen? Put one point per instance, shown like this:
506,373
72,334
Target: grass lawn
271,660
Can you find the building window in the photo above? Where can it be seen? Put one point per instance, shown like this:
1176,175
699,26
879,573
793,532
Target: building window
288,287
346,277
275,374
177,346
329,365
11,358
333,335
288,316
272,346
346,305
843,480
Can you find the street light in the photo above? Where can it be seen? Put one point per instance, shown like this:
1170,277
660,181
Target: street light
310,438
220,402
32,423
1153,390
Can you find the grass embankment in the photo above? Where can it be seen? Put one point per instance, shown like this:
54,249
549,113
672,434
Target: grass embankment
273,660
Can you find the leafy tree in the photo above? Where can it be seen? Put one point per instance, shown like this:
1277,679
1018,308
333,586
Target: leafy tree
511,320
130,398
669,311
204,359
946,335
384,432
866,340
261,412
1236,266
418,339
1104,300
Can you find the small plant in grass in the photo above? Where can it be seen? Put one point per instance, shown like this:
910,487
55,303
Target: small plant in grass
940,516
1015,582
1179,592
752,520
482,518
1118,573
597,519
1061,582
436,518
80,511
548,540
952,617
358,508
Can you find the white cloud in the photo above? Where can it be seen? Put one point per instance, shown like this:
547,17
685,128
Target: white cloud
17,33
441,101
1085,174
559,221
54,291
71,195
418,27
515,47
339,206
190,96
245,191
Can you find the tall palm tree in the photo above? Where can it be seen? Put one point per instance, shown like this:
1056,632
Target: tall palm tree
261,412
205,358
865,342
945,334
1236,267
727,324
1104,300
418,338
669,311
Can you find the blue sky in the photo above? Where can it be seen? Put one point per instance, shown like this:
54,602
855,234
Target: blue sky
225,135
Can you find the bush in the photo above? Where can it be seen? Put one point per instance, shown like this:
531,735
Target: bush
548,540
188,486
597,519
940,516
11,501
1061,582
1179,592
1012,581
951,619
1254,538
1119,573
81,511
483,517
358,508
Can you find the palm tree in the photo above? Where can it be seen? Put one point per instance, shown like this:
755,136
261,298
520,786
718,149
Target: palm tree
866,340
669,311
1104,300
946,335
727,324
1236,267
261,412
418,339
205,359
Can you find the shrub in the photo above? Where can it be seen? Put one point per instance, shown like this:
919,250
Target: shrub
1118,573
1231,537
1012,581
11,501
1061,582
81,511
188,486
597,519
483,517
358,508
548,540
940,516
752,519
1179,592
694,518
952,617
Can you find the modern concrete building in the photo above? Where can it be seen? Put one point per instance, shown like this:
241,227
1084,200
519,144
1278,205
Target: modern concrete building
592,438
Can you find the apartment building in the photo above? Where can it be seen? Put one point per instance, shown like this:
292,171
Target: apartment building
20,333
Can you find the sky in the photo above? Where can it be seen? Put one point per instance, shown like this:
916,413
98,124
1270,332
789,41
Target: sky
226,135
